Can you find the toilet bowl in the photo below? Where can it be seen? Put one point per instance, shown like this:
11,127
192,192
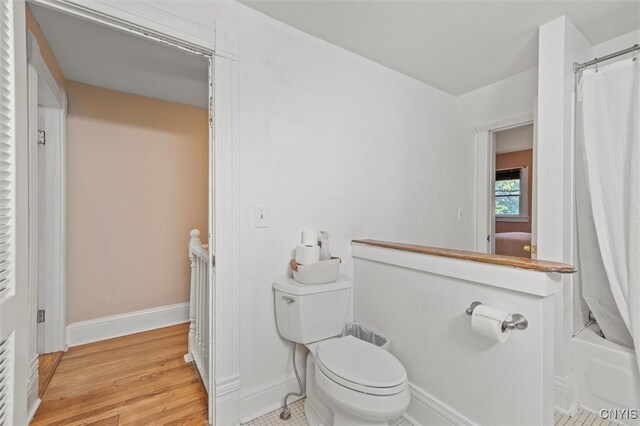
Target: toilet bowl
349,381
363,383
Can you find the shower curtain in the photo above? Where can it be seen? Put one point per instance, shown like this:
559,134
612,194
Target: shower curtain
608,197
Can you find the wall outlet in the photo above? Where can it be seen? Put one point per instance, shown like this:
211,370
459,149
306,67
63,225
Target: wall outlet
460,214
261,216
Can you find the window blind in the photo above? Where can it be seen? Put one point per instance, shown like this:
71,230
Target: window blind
6,146
508,174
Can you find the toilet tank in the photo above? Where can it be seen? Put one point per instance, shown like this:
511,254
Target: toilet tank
308,313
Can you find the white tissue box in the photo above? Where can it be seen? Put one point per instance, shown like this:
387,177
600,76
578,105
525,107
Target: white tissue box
325,271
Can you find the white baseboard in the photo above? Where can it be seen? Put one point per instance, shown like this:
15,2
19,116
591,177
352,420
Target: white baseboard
260,400
32,410
426,410
565,395
79,333
228,400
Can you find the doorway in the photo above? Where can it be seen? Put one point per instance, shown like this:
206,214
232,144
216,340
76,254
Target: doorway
112,169
512,192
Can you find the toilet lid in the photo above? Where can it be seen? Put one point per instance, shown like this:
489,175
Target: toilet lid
361,366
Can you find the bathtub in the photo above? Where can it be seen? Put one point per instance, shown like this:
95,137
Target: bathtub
606,376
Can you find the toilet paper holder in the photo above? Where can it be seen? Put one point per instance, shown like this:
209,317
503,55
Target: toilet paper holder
517,320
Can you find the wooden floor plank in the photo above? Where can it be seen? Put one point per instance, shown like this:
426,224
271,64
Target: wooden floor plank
138,379
47,364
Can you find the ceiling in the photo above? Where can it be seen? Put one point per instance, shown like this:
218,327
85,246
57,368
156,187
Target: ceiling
456,46
93,54
514,139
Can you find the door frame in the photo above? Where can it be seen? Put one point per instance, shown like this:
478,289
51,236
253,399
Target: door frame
218,42
485,177
44,92
47,109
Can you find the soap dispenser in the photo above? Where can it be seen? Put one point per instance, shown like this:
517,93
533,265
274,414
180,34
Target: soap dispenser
325,254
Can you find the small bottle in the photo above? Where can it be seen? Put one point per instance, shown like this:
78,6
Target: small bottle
324,245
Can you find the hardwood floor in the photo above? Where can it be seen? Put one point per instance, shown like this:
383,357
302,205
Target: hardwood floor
47,364
140,379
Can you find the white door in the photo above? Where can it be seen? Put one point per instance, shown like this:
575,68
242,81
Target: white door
42,237
212,253
534,186
9,307
492,193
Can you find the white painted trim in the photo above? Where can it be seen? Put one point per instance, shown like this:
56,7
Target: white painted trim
33,401
32,250
534,183
565,395
227,385
507,122
52,231
228,400
227,40
225,226
33,410
516,279
214,316
94,330
484,164
262,399
424,407
143,16
49,93
15,313
44,93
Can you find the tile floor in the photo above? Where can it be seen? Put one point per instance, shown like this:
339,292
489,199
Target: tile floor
298,418
582,418
273,418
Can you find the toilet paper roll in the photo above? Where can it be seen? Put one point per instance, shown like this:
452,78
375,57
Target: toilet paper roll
487,321
307,254
309,237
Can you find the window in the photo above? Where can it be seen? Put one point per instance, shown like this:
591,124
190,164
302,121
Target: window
511,194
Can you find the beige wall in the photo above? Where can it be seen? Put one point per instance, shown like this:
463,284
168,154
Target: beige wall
137,184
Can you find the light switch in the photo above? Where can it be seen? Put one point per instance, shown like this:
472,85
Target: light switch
460,214
261,216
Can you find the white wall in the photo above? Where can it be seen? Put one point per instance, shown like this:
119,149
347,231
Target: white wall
497,105
561,44
330,140
512,97
615,44
457,376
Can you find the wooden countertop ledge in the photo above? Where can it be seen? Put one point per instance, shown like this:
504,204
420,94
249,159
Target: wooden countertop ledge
516,262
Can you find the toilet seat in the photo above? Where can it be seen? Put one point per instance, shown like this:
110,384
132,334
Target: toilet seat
361,366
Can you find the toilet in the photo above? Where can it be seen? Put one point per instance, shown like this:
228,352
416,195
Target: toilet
348,381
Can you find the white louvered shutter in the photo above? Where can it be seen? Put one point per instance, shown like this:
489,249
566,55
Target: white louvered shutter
7,216
6,146
6,382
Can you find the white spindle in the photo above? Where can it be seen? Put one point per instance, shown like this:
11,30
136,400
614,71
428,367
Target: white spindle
198,307
195,241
